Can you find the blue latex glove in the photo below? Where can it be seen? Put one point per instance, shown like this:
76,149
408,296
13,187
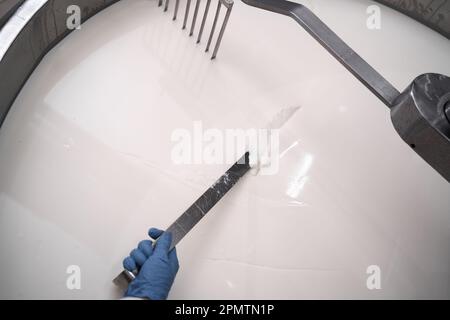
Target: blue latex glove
157,267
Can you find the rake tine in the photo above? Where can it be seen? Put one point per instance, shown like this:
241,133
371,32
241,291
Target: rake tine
219,5
229,6
205,15
197,5
177,4
186,14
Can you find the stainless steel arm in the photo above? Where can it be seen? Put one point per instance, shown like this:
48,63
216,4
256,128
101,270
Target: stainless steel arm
364,72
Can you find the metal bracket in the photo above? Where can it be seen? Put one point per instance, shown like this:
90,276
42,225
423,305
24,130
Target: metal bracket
421,117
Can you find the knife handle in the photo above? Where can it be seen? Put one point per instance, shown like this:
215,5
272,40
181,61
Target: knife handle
124,278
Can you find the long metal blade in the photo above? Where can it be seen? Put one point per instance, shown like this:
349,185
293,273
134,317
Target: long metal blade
208,200
198,210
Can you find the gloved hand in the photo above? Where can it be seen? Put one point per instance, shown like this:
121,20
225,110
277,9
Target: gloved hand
156,265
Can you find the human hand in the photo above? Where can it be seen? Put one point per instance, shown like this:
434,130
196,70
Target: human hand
157,267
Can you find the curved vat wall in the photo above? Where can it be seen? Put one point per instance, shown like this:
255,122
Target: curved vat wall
34,30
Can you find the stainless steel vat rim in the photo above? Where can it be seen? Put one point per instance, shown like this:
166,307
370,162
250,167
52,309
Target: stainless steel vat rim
11,30
31,32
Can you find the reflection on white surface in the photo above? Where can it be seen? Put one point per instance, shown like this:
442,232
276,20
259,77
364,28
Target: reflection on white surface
298,182
85,163
293,145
